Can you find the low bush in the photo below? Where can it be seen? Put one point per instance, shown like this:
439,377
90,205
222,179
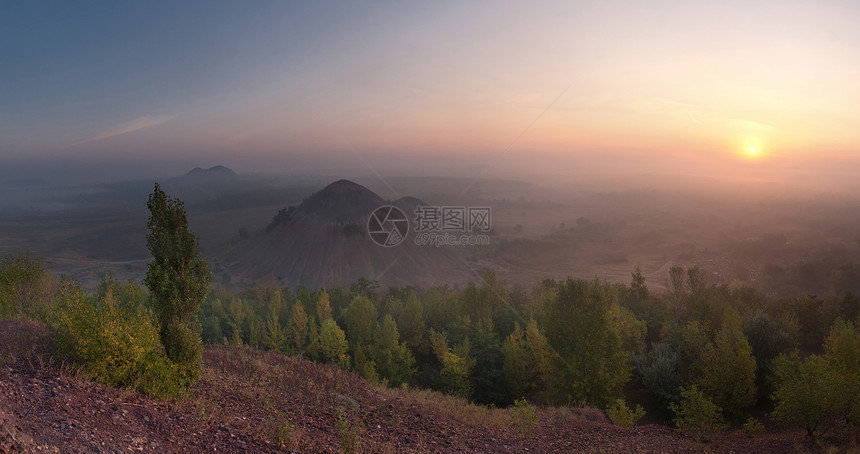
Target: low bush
622,415
697,415
349,433
525,417
25,287
115,339
753,427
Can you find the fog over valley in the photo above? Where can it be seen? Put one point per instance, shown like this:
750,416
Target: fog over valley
379,226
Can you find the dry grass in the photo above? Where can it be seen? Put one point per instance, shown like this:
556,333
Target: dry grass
562,414
457,407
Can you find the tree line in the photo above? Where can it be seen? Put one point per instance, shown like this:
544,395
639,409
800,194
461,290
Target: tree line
699,354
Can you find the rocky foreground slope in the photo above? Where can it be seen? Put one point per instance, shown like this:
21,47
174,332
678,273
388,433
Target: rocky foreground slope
252,401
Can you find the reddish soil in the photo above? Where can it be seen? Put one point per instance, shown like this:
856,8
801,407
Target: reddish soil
252,401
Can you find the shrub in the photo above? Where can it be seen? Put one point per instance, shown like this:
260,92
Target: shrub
696,414
753,427
621,415
349,433
24,287
283,432
525,417
115,340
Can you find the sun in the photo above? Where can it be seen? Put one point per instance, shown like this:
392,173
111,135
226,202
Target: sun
751,149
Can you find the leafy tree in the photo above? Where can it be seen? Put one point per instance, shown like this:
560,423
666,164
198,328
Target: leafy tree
211,320
333,346
505,321
638,289
364,287
236,315
312,351
697,280
677,282
455,373
365,366
440,307
391,305
525,353
659,371
489,384
728,372
813,329
394,362
481,301
630,329
474,301
297,329
412,324
323,307
806,391
456,365
178,280
211,329
586,360
360,321
256,330
767,340
694,340
819,390
276,335
842,353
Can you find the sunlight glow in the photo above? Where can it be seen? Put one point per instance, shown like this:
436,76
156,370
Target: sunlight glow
752,148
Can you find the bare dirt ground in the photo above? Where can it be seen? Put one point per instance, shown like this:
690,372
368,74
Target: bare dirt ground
252,401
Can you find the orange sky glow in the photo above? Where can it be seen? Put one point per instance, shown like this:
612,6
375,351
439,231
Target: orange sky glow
686,86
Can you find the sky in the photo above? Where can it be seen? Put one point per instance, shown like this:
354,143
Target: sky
726,90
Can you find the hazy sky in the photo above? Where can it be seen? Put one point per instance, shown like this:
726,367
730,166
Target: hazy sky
660,86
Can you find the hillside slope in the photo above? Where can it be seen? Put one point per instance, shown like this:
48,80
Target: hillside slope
253,401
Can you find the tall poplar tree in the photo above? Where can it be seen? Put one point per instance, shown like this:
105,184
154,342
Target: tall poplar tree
178,281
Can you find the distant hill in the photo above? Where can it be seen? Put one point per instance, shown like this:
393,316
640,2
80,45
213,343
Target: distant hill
324,241
342,201
216,171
